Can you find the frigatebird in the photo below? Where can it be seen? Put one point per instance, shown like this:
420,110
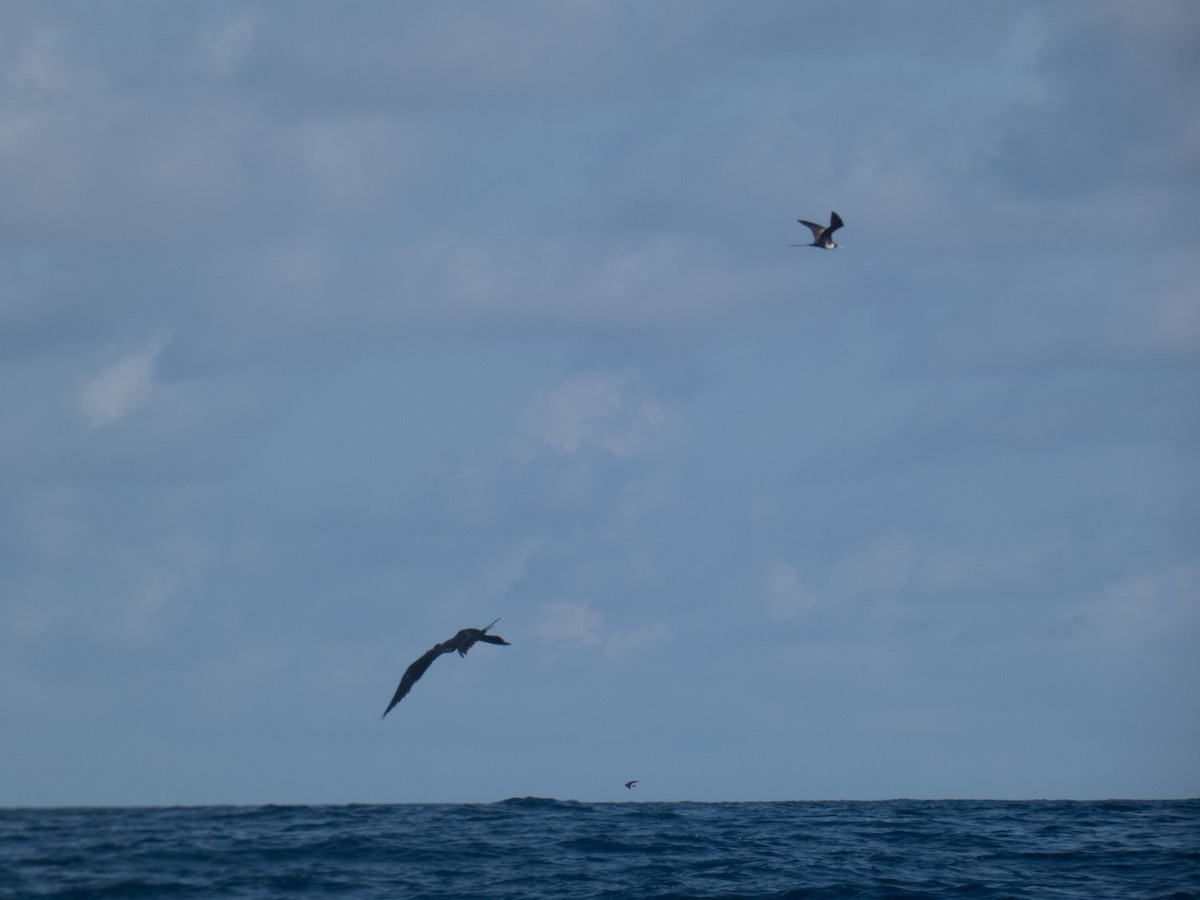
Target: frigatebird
822,234
461,642
630,784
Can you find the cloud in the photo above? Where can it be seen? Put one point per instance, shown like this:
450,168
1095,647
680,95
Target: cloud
787,596
608,410
498,576
875,573
510,568
48,121
1087,126
464,271
579,625
139,610
881,568
134,615
954,569
1142,609
623,641
354,164
569,623
123,387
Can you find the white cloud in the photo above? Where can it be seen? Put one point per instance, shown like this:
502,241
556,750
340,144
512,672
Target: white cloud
957,569
569,623
136,614
602,409
579,625
787,596
122,387
156,592
881,568
504,571
456,274
623,641
876,572
512,566
354,163
1144,608
51,110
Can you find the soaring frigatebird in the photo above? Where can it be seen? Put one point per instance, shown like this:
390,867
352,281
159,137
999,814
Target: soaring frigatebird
462,642
822,234
630,784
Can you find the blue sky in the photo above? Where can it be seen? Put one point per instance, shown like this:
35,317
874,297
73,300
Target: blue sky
329,329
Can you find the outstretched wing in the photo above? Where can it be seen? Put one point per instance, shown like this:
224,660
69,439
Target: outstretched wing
835,222
814,227
412,673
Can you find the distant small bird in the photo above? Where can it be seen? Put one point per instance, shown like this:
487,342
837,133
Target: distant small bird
630,784
461,642
822,234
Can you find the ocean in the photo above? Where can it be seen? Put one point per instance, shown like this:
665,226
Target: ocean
531,848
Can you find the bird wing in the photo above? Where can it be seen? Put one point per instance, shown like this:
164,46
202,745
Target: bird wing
835,222
465,640
469,637
814,227
412,673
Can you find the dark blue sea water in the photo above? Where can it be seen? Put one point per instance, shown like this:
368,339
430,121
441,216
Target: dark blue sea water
548,848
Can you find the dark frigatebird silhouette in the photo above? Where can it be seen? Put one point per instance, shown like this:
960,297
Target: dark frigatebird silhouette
461,642
630,784
822,234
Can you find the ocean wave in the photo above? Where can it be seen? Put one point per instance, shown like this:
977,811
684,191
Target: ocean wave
532,847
